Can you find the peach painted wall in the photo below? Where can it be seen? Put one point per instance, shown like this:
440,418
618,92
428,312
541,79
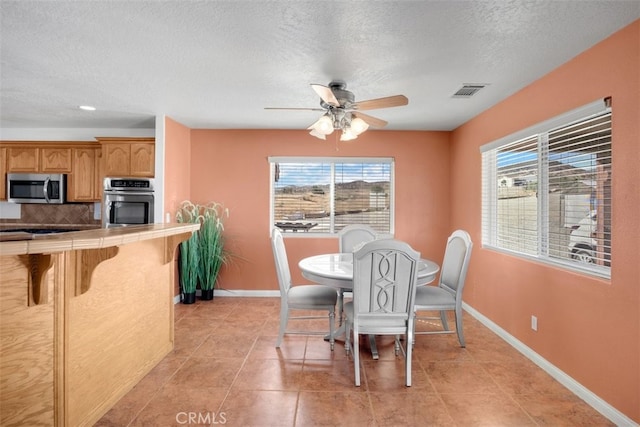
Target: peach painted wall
177,179
231,167
587,327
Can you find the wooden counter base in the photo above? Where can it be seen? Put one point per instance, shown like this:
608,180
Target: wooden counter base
103,319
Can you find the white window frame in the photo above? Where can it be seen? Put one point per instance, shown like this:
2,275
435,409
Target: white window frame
489,186
273,160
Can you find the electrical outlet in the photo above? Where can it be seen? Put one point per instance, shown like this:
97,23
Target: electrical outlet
534,323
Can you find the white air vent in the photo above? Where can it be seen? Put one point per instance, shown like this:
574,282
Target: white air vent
468,90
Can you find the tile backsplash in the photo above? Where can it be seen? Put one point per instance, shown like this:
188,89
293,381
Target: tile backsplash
77,214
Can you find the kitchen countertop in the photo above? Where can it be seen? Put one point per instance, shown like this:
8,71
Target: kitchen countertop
92,239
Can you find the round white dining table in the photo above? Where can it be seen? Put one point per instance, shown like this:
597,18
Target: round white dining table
336,270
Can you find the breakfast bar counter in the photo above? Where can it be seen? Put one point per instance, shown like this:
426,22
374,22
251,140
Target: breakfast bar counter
84,316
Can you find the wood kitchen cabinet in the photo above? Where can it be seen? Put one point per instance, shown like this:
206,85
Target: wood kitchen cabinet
55,160
143,159
128,156
38,159
82,185
23,159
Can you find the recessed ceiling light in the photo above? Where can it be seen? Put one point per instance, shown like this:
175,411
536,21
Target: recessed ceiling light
87,108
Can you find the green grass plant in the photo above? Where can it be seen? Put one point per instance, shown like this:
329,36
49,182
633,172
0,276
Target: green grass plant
203,254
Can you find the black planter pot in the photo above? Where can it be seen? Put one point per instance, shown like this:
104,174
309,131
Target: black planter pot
189,298
207,294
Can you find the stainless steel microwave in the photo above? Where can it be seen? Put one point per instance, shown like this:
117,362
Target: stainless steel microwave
36,188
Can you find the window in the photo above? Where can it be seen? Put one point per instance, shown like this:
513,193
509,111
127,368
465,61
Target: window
546,191
323,195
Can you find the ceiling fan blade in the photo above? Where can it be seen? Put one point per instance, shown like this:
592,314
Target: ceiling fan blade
371,121
326,94
294,108
389,101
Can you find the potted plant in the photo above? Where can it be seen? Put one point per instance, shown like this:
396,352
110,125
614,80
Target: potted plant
189,264
212,252
204,252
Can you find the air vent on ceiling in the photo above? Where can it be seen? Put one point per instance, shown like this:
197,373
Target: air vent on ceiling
468,90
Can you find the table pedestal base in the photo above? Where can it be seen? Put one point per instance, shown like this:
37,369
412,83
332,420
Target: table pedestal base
372,341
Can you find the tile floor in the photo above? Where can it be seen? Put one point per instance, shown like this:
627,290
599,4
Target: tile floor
225,370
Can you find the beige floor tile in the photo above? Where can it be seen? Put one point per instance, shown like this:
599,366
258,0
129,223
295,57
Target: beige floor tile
409,409
225,369
489,409
250,408
333,408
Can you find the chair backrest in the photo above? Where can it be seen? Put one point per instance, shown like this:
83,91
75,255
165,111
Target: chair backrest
384,280
456,262
354,235
282,263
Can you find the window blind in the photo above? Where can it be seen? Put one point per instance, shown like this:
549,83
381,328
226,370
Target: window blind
332,193
580,189
547,194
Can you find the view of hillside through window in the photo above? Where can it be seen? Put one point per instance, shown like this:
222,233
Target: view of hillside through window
324,197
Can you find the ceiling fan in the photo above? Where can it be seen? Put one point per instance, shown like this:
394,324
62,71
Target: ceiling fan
342,112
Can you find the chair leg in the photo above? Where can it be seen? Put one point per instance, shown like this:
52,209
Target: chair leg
408,351
459,327
443,319
340,305
347,336
284,318
356,358
332,338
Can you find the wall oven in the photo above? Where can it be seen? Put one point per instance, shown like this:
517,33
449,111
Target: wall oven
127,201
36,188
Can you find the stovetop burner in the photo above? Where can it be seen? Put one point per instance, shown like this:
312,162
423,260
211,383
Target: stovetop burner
39,230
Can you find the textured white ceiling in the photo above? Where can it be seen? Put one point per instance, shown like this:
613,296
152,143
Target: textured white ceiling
217,64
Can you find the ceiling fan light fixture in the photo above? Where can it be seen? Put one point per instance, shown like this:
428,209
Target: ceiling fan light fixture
358,126
324,125
348,134
341,112
317,134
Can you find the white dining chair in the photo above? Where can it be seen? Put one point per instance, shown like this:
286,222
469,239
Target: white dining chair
384,287
349,238
354,235
447,295
300,297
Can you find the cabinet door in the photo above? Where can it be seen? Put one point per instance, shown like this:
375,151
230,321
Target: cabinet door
117,158
55,160
3,173
23,159
143,159
81,185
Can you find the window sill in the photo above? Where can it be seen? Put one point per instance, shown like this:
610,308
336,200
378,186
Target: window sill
593,271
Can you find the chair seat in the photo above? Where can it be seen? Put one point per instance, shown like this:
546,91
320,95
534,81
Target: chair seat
388,326
307,295
434,296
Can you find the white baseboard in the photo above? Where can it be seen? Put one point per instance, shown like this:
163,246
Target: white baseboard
615,416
